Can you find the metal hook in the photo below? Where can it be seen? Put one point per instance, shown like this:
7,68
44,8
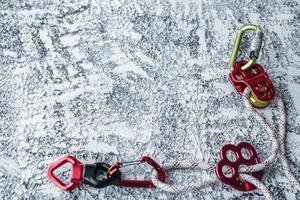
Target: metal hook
255,46
138,183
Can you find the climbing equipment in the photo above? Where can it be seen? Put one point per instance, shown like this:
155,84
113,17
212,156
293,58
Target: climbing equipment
230,176
235,180
184,165
241,172
82,173
244,174
248,73
160,173
87,173
253,83
255,46
278,140
76,173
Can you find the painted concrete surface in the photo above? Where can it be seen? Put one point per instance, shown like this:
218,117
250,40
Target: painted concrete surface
114,80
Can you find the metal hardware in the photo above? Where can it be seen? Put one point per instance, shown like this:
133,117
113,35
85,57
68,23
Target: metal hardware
138,183
235,180
80,173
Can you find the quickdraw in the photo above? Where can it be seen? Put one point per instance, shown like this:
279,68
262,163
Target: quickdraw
87,173
242,172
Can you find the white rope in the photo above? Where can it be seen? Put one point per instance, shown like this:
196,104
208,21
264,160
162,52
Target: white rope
282,129
264,125
278,146
258,184
278,149
278,141
177,165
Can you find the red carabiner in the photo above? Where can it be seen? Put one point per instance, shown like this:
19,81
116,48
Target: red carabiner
138,183
76,173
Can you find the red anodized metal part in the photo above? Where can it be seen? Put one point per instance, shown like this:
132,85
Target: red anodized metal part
255,78
76,173
235,180
139,183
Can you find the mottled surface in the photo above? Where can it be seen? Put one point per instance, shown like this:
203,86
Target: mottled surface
119,79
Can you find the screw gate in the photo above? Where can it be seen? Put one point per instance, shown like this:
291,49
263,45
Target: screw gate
137,183
82,174
248,73
255,46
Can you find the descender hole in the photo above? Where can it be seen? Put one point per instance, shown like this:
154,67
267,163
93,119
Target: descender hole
261,94
264,87
245,153
100,175
63,173
254,71
269,93
231,156
242,166
227,171
238,76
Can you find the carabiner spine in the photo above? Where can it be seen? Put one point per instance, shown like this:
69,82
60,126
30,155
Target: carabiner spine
237,43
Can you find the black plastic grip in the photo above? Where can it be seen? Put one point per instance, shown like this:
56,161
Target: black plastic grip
91,171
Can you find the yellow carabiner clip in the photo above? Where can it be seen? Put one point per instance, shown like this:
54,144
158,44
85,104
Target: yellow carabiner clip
237,43
255,49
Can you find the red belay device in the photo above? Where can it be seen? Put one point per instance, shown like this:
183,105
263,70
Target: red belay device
248,73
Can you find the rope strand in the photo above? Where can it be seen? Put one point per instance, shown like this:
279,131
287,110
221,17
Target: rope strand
177,165
257,184
277,150
282,129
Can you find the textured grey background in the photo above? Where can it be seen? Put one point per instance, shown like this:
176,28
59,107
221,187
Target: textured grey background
113,80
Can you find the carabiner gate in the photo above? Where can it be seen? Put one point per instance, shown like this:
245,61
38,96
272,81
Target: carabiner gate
255,46
161,175
248,73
